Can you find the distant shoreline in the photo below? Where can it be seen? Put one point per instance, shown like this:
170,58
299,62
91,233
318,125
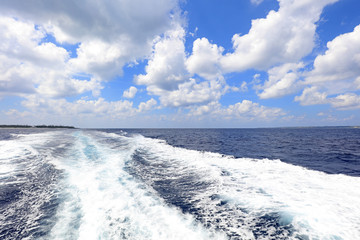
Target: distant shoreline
36,126
72,127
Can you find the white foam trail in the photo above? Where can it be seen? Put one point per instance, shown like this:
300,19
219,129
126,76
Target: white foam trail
318,205
25,192
102,201
8,152
12,157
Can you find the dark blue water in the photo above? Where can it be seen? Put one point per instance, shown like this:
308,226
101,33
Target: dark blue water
334,150
280,183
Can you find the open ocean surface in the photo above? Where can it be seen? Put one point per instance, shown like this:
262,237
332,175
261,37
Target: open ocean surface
280,183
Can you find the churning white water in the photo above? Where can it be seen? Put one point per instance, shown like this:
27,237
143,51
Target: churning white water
111,186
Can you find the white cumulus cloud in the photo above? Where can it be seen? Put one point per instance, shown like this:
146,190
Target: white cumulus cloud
283,36
249,109
192,93
147,106
28,66
283,80
47,108
130,93
246,110
107,34
204,59
335,77
312,96
169,71
346,101
340,63
166,67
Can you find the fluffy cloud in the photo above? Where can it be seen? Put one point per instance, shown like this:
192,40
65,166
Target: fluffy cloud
249,109
168,73
147,106
62,108
74,21
192,93
212,108
103,47
283,36
283,80
336,74
44,73
100,59
340,63
311,96
246,110
22,40
17,114
346,101
59,85
166,67
15,78
114,33
130,93
29,66
45,107
204,59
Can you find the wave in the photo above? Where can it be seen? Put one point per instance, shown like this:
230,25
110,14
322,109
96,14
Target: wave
253,198
97,185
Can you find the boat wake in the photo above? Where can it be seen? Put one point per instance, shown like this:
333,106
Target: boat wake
82,184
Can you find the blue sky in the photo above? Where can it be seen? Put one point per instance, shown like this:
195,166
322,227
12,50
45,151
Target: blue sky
176,63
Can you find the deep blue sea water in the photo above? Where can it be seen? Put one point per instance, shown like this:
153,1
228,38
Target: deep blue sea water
328,149
276,183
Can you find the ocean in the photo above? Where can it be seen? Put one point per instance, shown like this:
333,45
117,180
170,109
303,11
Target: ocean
272,183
